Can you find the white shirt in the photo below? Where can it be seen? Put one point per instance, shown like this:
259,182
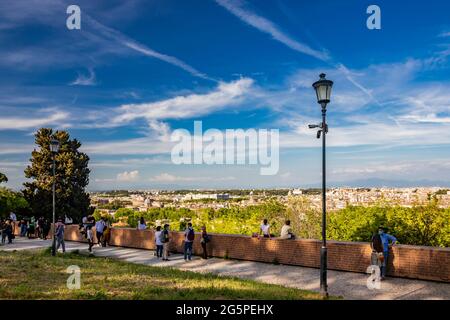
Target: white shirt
142,226
12,216
158,238
265,228
285,231
100,226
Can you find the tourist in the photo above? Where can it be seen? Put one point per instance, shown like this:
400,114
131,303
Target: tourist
99,228
90,221
264,229
204,240
159,238
3,230
31,231
40,227
377,258
166,240
106,232
46,228
388,241
23,227
59,234
13,218
189,236
68,220
286,231
141,224
8,231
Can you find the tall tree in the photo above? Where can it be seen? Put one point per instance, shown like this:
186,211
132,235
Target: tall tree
72,177
3,178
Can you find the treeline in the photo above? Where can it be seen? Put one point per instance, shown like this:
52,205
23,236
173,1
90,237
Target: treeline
426,225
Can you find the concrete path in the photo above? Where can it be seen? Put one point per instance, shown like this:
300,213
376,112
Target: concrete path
350,285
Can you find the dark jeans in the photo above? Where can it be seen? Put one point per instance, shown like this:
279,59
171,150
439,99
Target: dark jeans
99,237
188,250
205,253
23,230
60,241
7,234
385,264
159,251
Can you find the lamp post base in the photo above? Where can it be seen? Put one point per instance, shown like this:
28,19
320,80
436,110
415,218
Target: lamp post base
323,272
54,247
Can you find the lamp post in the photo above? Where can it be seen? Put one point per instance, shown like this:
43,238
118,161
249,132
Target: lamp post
323,92
54,149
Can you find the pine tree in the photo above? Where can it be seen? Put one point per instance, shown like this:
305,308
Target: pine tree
72,177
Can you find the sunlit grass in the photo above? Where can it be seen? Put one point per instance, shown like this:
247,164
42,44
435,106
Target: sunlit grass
38,275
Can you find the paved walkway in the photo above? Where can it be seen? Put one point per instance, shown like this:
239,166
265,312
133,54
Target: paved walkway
350,285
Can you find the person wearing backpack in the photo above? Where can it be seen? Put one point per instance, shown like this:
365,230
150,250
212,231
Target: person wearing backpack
159,238
166,239
189,236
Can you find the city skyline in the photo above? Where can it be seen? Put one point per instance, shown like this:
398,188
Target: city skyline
138,70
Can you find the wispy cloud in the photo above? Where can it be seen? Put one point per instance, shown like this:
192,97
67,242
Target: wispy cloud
261,23
130,43
99,37
267,26
85,80
27,122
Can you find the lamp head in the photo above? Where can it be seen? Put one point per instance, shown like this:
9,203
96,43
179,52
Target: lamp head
323,89
54,146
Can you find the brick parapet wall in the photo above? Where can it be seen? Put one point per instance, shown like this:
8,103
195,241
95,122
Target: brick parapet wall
416,262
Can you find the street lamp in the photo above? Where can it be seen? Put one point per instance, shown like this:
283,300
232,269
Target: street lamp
323,92
54,149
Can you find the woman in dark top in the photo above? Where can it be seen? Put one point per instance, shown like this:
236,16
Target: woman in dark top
377,250
204,240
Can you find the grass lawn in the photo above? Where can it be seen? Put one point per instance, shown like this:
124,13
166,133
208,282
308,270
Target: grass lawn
38,275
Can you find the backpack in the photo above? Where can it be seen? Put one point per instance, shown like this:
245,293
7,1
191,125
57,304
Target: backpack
191,235
162,237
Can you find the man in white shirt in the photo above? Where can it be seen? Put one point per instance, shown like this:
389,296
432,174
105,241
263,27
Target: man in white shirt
286,231
264,229
13,217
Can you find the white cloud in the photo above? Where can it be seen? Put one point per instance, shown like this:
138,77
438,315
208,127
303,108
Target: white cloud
189,106
169,178
128,176
32,121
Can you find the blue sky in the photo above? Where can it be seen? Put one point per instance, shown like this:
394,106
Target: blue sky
137,70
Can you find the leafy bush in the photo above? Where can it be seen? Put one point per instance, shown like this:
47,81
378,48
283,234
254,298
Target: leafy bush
420,225
12,201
